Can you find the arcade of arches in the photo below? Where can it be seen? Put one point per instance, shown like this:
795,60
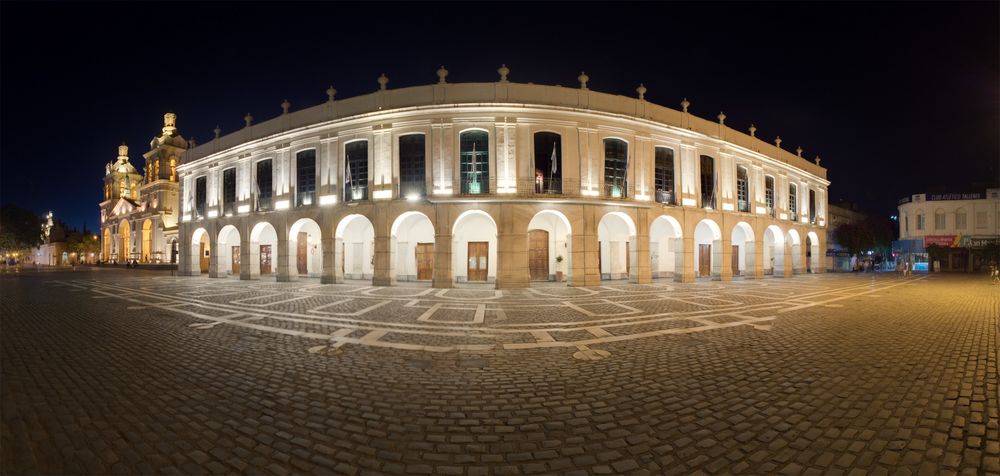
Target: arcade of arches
500,245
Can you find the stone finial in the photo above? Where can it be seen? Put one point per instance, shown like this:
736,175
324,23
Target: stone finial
217,131
722,117
642,91
817,160
330,93
583,78
442,74
798,151
753,130
503,71
170,120
248,119
777,141
284,106
123,150
685,104
382,81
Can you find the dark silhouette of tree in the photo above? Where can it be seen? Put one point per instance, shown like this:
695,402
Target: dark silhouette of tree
19,228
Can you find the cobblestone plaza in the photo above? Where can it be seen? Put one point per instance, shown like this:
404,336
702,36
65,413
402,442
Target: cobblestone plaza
108,371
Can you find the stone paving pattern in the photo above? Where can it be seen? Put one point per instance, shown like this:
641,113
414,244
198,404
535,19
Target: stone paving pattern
899,380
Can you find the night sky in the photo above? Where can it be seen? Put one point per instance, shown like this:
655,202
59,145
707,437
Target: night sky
896,98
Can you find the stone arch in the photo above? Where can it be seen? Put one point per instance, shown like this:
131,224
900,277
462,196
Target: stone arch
558,233
794,242
305,258
227,251
263,252
412,245
666,247
813,253
470,231
146,252
616,239
201,250
354,248
774,251
707,246
743,242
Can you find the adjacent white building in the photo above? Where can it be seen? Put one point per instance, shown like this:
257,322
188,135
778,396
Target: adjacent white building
501,183
966,224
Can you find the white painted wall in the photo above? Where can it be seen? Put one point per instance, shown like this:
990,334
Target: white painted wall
473,227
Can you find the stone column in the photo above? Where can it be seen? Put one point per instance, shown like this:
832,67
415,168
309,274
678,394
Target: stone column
442,260
283,262
641,273
686,274
382,274
327,242
821,260
249,258
804,256
586,252
726,256
512,253
213,253
338,258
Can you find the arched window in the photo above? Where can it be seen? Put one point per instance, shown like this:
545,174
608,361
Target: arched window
663,175
742,190
920,219
412,169
615,168
939,220
548,162
707,182
263,185
960,219
812,206
474,162
769,194
305,177
793,202
356,171
173,169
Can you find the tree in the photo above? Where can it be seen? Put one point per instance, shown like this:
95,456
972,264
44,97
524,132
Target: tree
82,244
20,228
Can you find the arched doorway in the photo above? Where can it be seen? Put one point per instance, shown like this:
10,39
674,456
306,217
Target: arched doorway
792,239
474,247
666,247
549,247
305,248
707,249
774,251
125,233
354,249
228,249
106,256
200,250
413,247
813,253
147,241
615,234
263,250
744,258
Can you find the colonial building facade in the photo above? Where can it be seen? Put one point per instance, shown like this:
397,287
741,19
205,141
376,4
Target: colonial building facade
500,183
966,227
139,214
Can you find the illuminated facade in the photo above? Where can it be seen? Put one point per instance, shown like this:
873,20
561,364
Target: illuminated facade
500,183
965,227
139,214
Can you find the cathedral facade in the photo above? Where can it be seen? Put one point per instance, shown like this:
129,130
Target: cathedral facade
139,213
498,183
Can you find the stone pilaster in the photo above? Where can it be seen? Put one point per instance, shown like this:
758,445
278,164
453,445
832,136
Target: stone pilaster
726,258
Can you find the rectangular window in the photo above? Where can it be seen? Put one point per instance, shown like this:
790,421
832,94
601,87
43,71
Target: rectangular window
980,219
920,222
960,220
939,221
707,182
200,196
474,162
812,207
742,190
769,194
793,205
263,185
664,175
615,168
548,162
412,169
356,171
305,183
229,191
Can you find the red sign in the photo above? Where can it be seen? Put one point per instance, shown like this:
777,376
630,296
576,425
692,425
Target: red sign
947,241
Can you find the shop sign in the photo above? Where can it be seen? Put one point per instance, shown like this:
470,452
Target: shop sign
955,196
979,241
947,241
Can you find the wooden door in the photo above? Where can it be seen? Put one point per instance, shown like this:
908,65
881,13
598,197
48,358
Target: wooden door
303,253
478,260
425,261
736,260
236,260
704,260
265,260
203,257
538,255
